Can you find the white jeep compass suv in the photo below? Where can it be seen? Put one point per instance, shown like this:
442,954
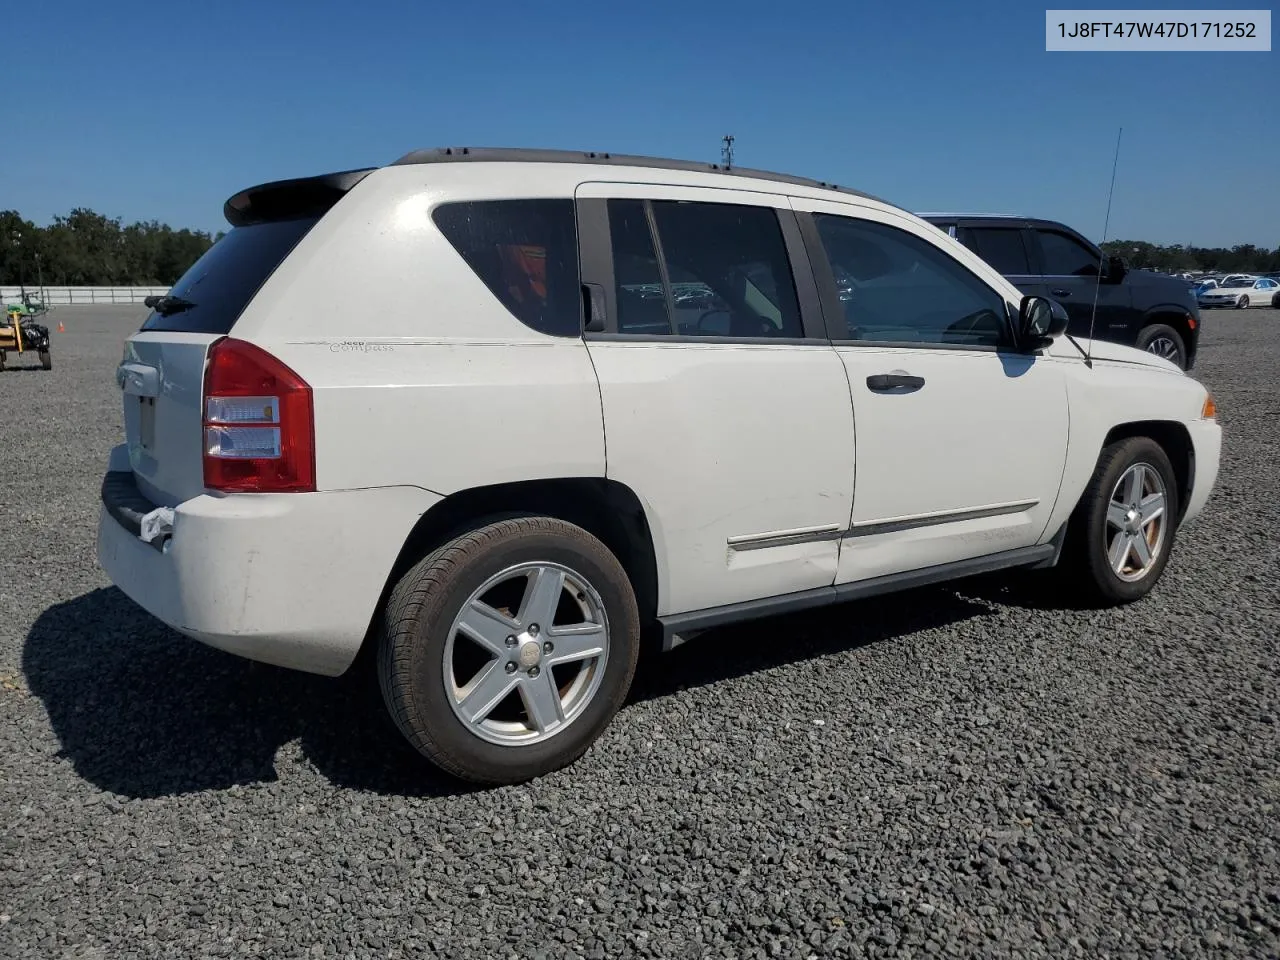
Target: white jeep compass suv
500,413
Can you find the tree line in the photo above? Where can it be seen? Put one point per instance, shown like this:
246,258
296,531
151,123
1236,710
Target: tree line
1176,258
88,249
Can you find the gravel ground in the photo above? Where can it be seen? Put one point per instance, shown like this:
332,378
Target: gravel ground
955,772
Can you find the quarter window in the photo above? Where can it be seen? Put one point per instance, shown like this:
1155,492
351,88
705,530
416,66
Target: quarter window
526,252
895,287
1065,256
715,270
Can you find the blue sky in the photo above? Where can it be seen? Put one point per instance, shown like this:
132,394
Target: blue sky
148,110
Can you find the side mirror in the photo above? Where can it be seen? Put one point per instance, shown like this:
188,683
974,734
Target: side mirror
1114,269
1040,321
151,301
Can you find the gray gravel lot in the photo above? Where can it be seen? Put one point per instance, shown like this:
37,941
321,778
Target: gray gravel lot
955,772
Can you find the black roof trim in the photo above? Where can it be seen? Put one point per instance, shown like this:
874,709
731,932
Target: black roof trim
289,199
529,155
996,218
930,215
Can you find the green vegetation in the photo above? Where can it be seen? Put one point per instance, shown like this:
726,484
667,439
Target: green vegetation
88,249
1243,258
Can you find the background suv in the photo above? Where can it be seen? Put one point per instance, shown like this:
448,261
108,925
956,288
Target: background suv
1138,308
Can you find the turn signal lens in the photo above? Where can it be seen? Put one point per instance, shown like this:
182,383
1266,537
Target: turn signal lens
1210,409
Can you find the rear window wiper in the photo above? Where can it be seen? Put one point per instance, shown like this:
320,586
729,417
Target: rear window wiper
168,304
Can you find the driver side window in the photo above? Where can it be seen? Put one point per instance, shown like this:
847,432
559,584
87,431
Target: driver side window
895,287
701,269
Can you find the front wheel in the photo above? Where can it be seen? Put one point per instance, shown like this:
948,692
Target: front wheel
46,360
1164,341
506,652
1122,532
1242,303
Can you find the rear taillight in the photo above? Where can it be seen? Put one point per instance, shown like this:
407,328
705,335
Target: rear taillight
259,433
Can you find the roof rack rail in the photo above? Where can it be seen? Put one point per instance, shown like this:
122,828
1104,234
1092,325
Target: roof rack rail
533,155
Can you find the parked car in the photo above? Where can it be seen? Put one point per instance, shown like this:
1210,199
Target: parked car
1046,258
1242,293
518,466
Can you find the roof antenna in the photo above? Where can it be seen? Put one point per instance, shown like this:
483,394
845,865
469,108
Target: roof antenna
1097,288
726,151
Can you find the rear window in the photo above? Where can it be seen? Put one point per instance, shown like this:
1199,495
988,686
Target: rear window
526,252
223,281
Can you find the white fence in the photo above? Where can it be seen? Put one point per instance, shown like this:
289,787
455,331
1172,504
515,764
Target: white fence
62,296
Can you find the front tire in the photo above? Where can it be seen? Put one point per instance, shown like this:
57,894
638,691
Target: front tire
1123,529
506,652
1242,303
1164,341
46,360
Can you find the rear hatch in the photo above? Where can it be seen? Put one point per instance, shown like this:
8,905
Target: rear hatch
161,375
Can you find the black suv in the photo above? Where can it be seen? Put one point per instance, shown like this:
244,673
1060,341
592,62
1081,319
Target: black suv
1135,307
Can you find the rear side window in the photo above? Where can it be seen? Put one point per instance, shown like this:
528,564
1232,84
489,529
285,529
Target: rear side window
526,252
223,281
715,270
1002,247
642,297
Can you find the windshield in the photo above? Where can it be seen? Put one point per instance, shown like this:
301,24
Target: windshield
1238,283
222,282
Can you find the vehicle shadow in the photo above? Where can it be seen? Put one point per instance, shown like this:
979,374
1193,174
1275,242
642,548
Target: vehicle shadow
1025,589
744,648
144,712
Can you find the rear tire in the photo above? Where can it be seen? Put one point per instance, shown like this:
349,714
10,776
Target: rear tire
549,715
46,360
1164,341
1102,556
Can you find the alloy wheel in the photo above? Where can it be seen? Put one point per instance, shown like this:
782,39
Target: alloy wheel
1163,347
526,654
1137,522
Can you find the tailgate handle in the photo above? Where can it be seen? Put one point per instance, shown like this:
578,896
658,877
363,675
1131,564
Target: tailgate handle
138,379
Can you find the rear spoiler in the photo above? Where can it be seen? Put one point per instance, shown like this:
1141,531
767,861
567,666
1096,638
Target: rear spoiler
291,199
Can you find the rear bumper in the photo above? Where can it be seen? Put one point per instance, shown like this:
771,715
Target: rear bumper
287,579
1206,441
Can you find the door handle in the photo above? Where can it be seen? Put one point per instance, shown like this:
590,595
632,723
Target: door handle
882,382
1060,292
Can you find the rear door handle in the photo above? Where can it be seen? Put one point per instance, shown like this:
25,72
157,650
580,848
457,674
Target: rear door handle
882,382
1060,292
